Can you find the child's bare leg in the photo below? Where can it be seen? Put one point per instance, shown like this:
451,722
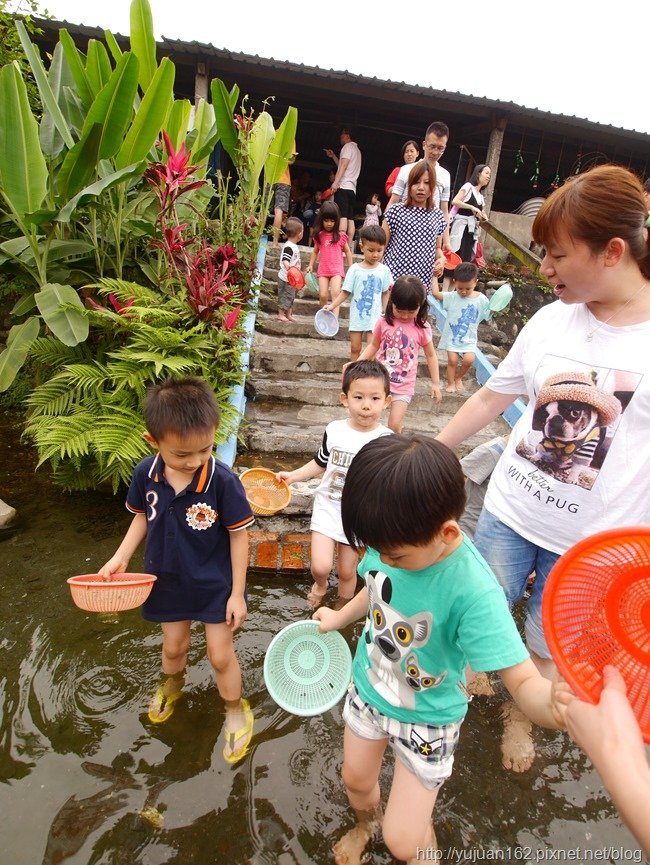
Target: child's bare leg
322,560
346,565
221,654
361,764
452,363
468,360
396,414
239,718
407,824
335,290
176,643
355,344
323,290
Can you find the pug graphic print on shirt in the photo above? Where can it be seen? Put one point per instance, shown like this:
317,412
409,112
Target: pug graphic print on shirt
576,460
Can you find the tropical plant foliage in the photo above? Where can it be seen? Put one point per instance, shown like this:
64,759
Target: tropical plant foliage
105,214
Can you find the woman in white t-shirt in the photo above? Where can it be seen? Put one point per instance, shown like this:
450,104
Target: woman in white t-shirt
576,462
466,215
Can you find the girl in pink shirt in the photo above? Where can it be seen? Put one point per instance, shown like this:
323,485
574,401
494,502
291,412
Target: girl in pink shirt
396,340
330,245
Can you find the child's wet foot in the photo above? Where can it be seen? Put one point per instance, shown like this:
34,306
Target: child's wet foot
161,705
451,388
517,749
459,384
238,730
316,594
289,315
282,317
349,849
480,686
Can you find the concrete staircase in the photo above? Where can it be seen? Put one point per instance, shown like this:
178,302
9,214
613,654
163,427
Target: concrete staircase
293,392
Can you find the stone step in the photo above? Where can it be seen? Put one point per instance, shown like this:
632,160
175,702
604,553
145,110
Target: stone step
303,305
324,389
292,427
275,351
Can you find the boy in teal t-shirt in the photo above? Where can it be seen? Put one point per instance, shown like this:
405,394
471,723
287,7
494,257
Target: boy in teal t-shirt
432,607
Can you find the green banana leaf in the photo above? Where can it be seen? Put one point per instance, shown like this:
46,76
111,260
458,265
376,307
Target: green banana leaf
226,129
281,148
58,77
79,164
24,305
23,171
233,96
96,189
21,336
113,106
206,130
63,249
143,42
13,248
113,47
75,60
262,134
73,110
63,312
150,117
98,65
178,121
48,97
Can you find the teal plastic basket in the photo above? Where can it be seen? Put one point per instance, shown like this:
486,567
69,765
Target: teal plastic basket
312,284
307,672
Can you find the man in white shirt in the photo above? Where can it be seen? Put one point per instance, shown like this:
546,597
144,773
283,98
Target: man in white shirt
434,144
344,185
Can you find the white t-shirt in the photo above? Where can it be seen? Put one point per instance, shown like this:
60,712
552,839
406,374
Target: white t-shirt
353,168
443,183
577,461
289,257
340,445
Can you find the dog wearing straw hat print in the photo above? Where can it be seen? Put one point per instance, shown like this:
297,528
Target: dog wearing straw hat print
569,423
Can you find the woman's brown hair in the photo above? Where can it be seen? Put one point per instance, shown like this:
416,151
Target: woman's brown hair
416,173
594,207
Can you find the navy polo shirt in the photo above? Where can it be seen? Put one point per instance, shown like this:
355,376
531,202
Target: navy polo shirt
188,544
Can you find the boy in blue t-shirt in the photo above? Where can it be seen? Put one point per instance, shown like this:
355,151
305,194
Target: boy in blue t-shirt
432,607
466,308
193,511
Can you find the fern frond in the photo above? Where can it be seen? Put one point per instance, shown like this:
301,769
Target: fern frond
61,437
52,398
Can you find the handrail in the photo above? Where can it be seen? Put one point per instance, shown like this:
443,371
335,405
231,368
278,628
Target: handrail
227,451
525,256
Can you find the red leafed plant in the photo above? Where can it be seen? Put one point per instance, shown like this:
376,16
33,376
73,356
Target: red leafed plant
215,280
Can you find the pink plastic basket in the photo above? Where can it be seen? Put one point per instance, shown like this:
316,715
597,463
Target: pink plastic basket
91,592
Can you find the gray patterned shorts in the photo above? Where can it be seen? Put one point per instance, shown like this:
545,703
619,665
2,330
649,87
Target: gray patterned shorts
281,197
425,749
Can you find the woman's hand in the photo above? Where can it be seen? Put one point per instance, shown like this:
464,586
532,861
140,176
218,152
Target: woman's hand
436,393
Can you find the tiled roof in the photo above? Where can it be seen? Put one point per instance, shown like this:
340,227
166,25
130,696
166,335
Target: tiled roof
206,50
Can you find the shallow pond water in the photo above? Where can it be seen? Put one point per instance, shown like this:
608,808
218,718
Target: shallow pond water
86,778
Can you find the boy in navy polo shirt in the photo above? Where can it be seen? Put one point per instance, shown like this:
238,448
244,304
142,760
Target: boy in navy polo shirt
193,511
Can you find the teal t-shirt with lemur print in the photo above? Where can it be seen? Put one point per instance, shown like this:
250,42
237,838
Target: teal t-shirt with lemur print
424,627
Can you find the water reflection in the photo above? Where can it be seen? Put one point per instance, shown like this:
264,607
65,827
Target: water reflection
85,773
